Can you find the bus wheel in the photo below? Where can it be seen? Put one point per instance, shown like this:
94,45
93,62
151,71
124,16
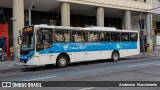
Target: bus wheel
62,61
115,56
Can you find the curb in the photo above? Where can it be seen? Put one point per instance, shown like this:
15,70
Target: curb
17,69
7,70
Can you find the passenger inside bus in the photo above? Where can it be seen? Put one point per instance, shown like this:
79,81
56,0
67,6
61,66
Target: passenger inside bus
92,36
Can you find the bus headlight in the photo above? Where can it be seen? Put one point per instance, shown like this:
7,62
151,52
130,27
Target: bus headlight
30,57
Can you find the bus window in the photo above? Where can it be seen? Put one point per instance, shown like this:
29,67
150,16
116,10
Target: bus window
92,36
67,36
78,36
44,39
124,36
133,36
63,35
59,36
104,36
115,36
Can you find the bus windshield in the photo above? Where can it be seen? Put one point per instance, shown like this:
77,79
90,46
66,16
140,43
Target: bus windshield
28,42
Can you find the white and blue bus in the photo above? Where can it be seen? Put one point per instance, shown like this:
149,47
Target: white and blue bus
43,44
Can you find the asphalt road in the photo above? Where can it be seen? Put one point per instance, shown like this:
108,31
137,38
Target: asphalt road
135,69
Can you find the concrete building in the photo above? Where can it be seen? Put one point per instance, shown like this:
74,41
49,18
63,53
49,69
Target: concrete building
156,24
122,14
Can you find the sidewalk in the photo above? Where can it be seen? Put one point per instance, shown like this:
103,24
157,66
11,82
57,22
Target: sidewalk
9,64
150,54
12,65
145,55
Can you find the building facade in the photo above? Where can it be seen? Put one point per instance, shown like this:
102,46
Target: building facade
122,14
156,24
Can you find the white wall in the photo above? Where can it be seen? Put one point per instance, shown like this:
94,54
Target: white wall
156,3
120,4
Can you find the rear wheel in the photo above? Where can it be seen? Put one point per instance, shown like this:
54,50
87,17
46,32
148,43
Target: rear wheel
62,61
115,56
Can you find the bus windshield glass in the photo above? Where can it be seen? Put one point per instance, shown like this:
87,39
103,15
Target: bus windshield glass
28,39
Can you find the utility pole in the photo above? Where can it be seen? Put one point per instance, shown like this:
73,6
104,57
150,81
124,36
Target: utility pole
30,11
142,30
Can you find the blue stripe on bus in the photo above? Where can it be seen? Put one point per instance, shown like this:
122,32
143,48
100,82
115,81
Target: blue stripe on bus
85,47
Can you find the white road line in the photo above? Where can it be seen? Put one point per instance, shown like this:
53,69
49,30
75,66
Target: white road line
87,88
141,65
157,64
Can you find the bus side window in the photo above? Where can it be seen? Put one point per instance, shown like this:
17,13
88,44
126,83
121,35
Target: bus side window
125,37
92,36
115,36
67,36
57,37
133,37
104,36
44,39
78,36
60,37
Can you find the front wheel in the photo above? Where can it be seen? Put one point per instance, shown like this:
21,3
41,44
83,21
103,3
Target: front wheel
115,56
62,61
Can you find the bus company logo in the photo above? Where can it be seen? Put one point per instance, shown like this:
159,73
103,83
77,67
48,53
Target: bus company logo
6,84
65,47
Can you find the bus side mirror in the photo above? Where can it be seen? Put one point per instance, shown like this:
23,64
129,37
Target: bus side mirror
20,33
19,39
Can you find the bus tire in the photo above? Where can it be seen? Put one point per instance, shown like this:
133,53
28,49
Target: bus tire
62,61
115,56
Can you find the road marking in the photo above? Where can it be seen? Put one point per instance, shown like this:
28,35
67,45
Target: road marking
84,71
141,65
40,78
158,64
87,88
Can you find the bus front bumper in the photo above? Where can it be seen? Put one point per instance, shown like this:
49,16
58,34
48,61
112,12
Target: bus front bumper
32,61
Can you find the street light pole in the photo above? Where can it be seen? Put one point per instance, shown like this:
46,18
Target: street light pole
30,12
142,31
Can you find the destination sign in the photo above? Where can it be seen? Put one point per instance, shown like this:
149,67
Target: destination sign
28,29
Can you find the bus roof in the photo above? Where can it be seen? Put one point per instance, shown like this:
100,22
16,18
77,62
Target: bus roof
85,28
